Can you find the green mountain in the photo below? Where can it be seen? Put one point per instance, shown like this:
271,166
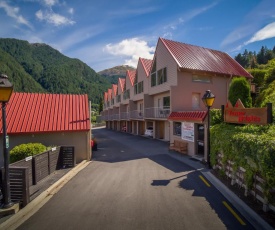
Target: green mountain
116,72
40,68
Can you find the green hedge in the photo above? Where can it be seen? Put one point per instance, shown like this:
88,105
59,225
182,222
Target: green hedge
251,147
24,150
215,116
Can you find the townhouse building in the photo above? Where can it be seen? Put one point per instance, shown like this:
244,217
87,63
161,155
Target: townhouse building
165,93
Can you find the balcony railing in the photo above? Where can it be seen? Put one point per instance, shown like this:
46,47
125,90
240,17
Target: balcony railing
115,117
136,114
156,112
124,116
153,112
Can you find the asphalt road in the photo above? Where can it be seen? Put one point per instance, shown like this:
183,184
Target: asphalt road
134,183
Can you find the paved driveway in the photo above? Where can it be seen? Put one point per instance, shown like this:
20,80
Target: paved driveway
134,183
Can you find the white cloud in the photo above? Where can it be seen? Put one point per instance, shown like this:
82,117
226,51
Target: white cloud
53,18
13,12
132,48
252,22
265,33
188,16
50,2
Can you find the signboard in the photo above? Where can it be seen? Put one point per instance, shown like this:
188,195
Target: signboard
187,131
241,115
7,142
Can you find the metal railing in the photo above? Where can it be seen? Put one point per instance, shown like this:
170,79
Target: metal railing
156,112
136,114
153,112
124,116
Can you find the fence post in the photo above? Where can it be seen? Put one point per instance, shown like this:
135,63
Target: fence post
222,112
34,181
269,113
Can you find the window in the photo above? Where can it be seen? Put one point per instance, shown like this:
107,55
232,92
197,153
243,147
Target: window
153,79
126,94
166,102
196,100
138,87
118,98
159,77
177,128
141,107
200,78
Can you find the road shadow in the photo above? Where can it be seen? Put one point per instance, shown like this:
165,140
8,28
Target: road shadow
170,163
164,182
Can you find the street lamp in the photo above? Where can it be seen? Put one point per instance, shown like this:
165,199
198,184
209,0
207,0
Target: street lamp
208,99
6,89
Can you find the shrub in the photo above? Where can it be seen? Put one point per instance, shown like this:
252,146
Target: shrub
215,116
251,147
24,150
240,89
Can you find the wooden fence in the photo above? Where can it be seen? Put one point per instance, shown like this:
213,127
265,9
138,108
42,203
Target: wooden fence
238,177
31,170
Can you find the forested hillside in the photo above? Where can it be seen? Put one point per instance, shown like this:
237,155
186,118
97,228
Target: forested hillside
116,72
40,68
262,67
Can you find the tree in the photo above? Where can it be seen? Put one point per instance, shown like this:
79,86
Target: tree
100,106
240,89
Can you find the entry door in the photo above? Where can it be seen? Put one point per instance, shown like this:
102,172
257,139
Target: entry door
200,140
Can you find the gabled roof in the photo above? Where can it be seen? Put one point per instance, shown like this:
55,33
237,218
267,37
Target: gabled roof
202,59
188,116
146,65
105,96
41,113
121,83
114,88
109,94
132,75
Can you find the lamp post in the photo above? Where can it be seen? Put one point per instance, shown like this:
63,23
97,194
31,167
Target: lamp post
208,99
6,89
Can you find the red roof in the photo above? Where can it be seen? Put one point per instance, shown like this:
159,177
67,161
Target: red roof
40,113
188,116
121,82
202,59
105,96
109,94
114,88
132,75
146,65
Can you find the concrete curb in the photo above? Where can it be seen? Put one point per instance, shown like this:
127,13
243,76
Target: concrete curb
253,218
17,219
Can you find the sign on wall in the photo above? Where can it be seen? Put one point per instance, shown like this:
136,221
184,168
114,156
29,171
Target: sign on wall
187,131
241,115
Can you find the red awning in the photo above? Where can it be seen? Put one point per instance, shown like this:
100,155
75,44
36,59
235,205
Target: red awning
195,116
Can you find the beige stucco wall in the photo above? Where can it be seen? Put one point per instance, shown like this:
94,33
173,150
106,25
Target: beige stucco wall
80,140
164,59
181,95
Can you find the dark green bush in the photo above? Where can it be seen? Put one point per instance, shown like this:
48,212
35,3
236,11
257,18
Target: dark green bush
249,146
240,89
24,150
215,116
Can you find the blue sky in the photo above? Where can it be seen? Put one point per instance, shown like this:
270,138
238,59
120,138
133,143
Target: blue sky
104,34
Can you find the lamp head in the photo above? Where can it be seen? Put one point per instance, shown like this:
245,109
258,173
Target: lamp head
6,88
208,98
